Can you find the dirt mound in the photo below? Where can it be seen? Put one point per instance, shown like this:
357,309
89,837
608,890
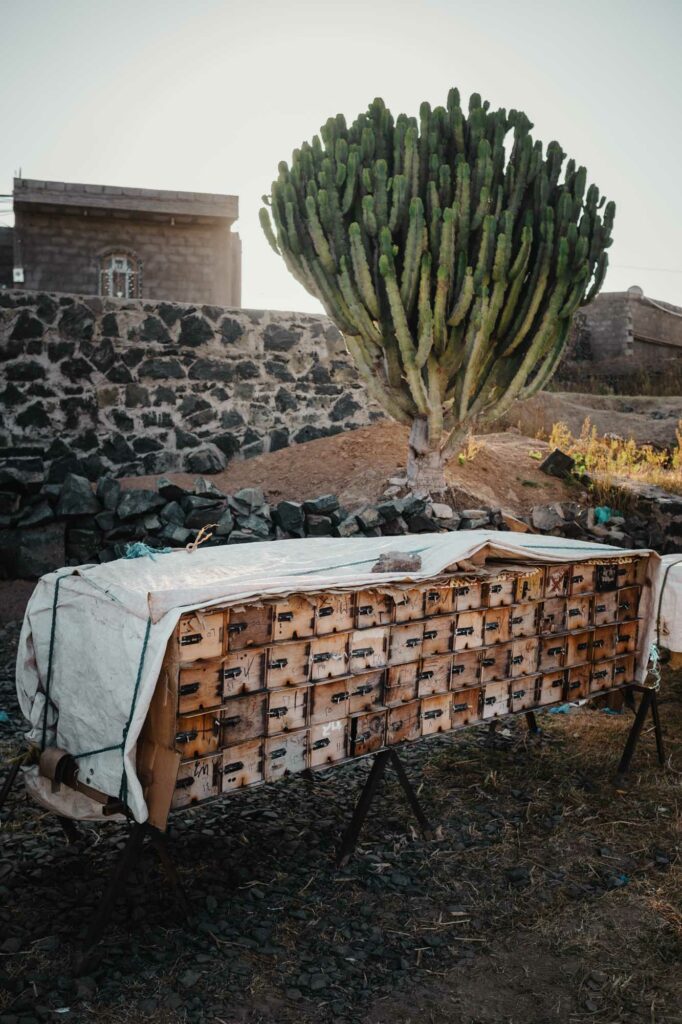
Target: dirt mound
357,465
649,420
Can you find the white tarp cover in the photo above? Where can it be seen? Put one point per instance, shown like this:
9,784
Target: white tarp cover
108,626
668,609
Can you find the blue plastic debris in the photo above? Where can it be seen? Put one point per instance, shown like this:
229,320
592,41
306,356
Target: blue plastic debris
612,711
139,550
563,709
602,514
4,717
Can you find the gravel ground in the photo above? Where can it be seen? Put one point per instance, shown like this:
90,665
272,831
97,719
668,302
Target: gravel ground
547,895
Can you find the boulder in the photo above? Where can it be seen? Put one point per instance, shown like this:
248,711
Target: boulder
29,554
557,464
172,513
323,505
138,503
36,515
205,460
547,517
248,499
169,490
76,497
109,492
318,525
289,516
225,524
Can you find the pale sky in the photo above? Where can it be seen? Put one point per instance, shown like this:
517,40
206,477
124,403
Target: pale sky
209,95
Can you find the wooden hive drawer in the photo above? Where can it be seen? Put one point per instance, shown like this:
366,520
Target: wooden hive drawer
582,579
605,608
552,653
466,669
366,691
630,573
200,635
627,605
288,664
438,600
524,693
367,649
401,683
334,613
328,743
372,608
578,612
468,631
524,657
557,579
329,701
552,686
249,626
578,680
501,591
553,616
496,625
405,643
601,676
604,643
434,675
242,765
578,647
293,618
197,780
467,595
285,754
200,686
367,732
244,672
529,586
438,635
496,699
403,723
523,620
624,670
329,656
436,714
197,735
408,604
288,709
495,663
626,637
243,718
465,707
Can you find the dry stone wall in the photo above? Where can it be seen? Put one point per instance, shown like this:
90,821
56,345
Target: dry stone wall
94,386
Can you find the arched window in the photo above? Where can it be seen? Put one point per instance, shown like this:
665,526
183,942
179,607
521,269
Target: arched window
119,275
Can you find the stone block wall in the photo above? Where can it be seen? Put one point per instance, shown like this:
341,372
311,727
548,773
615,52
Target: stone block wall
93,386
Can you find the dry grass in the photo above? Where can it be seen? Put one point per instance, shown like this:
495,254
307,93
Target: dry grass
612,459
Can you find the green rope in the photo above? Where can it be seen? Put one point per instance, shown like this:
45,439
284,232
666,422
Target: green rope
660,599
48,681
123,792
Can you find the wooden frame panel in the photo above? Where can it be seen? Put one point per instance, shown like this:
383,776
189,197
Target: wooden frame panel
329,656
434,675
367,649
578,648
495,663
605,608
293,618
496,699
524,693
197,781
405,643
403,723
408,603
466,669
556,580
200,635
286,754
467,595
328,743
367,733
198,735
529,586
553,651
604,643
243,718
624,670
438,600
288,664
366,691
552,685
578,612
525,655
468,631
244,672
200,686
496,625
329,701
552,616
627,604
465,707
626,637
372,608
601,676
523,620
501,592
242,765
287,709
582,579
578,682
248,626
401,683
438,635
334,613
435,714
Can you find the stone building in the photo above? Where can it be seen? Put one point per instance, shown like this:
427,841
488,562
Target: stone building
123,242
631,325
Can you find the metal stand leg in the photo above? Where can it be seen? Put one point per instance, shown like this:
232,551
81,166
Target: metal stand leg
9,782
70,830
159,841
350,836
533,727
649,701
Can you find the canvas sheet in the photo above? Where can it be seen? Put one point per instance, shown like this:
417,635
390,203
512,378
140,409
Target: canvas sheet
668,625
99,632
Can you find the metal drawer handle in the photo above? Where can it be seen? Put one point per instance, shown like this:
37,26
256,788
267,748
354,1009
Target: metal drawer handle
324,656
597,643
279,663
602,674
489,700
236,767
624,605
425,675
362,690
574,611
600,608
232,721
188,688
621,572
517,620
623,638
465,631
186,737
184,783
436,713
285,616
277,712
280,752
496,588
492,625
431,634
327,610
577,579
338,698
488,662
584,646
556,651
362,652
363,737
461,591
619,669
434,595
518,660
460,707
231,673
557,684
414,641
365,609
191,638
324,742
396,725
574,685
519,694
236,627
457,670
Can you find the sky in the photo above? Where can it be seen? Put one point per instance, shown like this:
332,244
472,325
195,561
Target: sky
209,95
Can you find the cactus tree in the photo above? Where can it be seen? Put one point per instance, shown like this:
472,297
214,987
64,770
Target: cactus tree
449,251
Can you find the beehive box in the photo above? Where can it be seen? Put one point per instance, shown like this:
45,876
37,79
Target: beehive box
252,693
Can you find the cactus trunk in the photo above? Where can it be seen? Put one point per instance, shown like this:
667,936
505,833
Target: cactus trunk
452,267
